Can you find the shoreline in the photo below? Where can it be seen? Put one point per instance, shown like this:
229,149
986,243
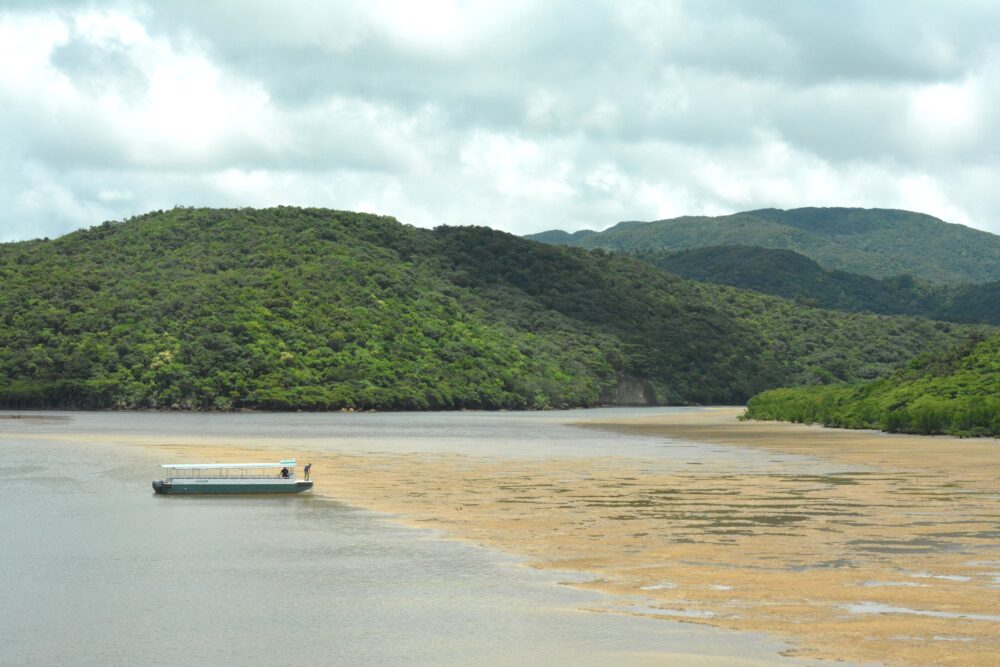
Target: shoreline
720,425
32,413
258,411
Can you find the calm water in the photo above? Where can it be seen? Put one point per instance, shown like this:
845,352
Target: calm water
95,569
506,434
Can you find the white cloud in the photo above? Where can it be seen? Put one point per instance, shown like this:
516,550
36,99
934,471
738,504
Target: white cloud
944,115
518,168
523,116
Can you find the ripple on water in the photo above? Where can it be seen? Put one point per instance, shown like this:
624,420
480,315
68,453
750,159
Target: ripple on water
946,577
878,608
666,585
935,638
916,545
650,610
907,584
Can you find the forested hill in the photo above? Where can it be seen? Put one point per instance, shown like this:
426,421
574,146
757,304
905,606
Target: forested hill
289,308
956,392
871,242
788,274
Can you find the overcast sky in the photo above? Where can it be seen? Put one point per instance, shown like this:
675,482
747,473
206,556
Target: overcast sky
520,116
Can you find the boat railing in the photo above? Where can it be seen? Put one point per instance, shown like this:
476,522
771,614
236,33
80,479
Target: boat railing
281,470
195,475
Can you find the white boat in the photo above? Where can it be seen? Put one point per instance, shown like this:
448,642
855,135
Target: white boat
232,478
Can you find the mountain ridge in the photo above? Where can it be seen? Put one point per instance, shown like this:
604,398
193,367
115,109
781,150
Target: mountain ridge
875,242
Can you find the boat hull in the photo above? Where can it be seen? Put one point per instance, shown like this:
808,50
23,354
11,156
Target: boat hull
230,486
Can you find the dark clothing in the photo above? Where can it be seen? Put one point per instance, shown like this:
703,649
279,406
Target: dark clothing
307,469
284,473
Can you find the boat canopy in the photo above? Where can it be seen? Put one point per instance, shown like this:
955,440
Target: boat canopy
218,466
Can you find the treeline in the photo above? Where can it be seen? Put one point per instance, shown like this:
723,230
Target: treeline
313,309
955,393
791,275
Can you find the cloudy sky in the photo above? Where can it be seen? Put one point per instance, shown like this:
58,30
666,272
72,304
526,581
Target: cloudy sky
521,116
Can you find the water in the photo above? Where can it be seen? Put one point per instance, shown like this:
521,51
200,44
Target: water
877,608
95,569
506,434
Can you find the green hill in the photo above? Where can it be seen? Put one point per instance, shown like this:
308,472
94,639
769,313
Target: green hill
790,275
559,237
956,393
873,242
291,308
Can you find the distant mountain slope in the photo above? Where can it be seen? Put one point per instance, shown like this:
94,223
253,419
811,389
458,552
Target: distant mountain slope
957,392
559,237
290,308
872,242
790,275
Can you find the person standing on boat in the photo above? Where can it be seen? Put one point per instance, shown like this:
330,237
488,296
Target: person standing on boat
284,473
307,469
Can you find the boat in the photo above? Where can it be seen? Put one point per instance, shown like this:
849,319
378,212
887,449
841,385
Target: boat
232,478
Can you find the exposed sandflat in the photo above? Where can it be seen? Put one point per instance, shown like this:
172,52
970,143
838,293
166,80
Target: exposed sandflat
721,425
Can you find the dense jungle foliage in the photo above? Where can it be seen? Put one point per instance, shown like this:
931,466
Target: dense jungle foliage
956,393
289,308
788,274
872,242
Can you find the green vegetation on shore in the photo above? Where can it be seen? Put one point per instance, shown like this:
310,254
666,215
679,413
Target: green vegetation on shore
289,308
955,393
788,274
880,243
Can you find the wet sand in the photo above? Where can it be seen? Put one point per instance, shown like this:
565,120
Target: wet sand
854,545
887,552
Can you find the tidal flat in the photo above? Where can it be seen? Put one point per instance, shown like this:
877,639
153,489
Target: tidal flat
844,545
96,569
